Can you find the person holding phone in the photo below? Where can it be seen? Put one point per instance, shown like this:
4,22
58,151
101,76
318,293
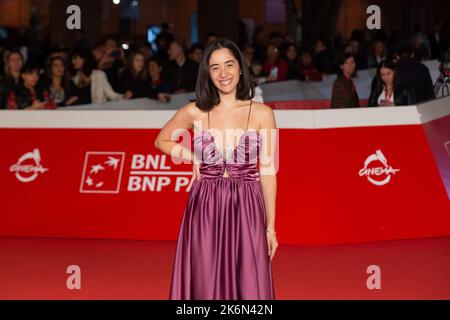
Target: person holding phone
110,59
387,90
91,84
275,67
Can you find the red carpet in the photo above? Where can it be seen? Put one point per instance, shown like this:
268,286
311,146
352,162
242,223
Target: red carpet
111,269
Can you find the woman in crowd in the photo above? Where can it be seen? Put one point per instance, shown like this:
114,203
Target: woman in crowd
60,85
344,91
290,56
14,61
248,52
160,89
134,78
28,94
258,76
387,90
273,65
307,71
91,85
195,52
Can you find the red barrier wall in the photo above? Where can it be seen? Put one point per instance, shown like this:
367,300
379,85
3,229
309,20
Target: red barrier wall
324,194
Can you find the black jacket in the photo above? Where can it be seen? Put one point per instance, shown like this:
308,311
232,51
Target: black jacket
7,84
417,76
182,77
141,88
23,97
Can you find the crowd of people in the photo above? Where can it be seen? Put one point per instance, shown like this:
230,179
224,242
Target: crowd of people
400,80
108,72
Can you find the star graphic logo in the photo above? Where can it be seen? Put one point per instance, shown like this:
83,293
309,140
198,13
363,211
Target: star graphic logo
95,169
102,172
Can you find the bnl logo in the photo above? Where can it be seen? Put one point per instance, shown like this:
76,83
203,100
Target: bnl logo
102,172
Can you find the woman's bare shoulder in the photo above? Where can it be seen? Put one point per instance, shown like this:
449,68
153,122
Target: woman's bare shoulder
264,114
262,109
190,110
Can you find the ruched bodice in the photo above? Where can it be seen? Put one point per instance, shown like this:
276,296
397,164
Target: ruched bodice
241,163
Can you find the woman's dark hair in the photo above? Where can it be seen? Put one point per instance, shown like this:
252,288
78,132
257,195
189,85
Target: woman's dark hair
143,74
270,44
159,62
341,60
30,67
285,47
389,64
194,47
11,52
89,61
65,78
206,92
300,65
344,56
156,60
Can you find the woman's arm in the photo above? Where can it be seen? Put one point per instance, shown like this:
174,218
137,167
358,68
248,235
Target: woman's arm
166,141
267,167
104,86
268,170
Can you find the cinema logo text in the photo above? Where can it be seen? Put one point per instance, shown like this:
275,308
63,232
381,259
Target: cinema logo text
377,175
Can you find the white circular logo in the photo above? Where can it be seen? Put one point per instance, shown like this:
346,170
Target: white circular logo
375,174
28,166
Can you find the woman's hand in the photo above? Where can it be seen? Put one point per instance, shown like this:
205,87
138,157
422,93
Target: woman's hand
37,104
71,100
386,103
272,244
128,95
163,97
271,78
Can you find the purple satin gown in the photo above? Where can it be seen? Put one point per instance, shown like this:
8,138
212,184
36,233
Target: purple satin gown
222,249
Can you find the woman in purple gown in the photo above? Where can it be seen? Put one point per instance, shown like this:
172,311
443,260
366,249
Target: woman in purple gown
227,237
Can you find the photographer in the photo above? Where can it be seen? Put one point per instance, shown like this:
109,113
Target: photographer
110,59
414,74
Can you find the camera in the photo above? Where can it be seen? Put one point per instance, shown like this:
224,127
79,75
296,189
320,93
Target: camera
441,85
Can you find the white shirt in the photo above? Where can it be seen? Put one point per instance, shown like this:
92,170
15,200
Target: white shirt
382,96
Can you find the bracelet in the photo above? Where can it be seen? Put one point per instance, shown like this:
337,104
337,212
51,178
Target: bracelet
270,231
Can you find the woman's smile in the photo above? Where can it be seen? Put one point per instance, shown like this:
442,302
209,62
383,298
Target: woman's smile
225,82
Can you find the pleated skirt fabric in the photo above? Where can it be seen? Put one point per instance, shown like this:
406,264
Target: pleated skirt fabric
222,251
